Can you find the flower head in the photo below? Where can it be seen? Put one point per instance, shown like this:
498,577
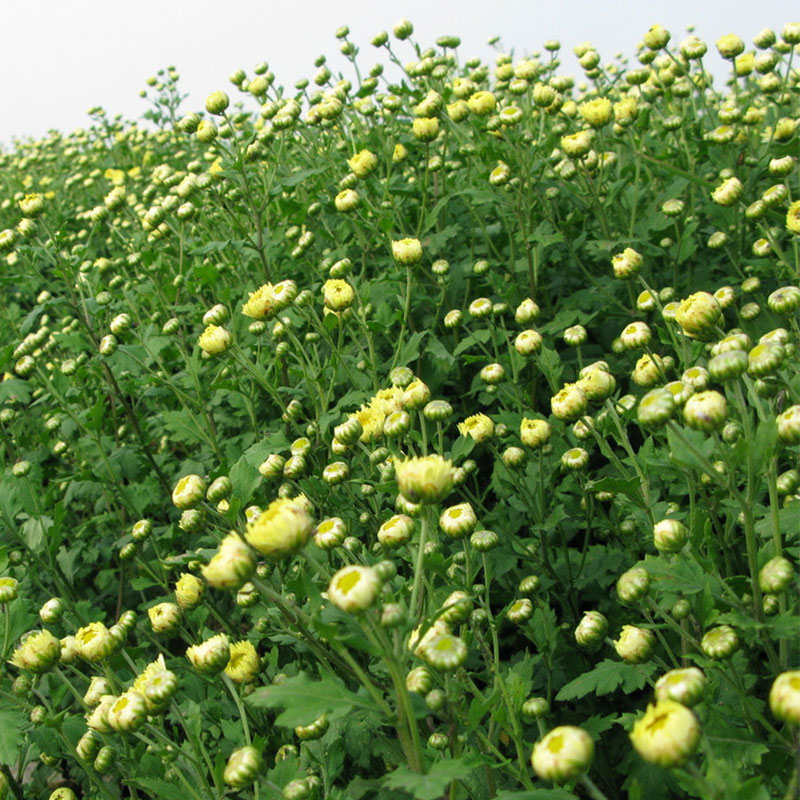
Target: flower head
427,479
667,734
214,340
563,754
354,588
478,427
231,565
244,662
407,251
281,529
211,656
38,652
784,697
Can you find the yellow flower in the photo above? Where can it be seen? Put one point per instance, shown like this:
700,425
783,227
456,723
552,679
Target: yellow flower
667,734
211,656
424,480
261,303
597,112
563,754
214,340
784,697
426,129
338,294
188,590
154,667
354,588
479,427
407,251
363,163
94,642
37,653
244,662
116,176
164,617
793,217
534,432
231,565
482,103
281,529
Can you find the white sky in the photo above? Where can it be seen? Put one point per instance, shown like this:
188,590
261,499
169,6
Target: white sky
60,57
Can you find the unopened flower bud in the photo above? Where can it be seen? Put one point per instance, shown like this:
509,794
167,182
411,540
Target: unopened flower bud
669,536
242,767
562,755
634,644
591,630
685,686
633,585
720,643
354,588
776,575
784,697
188,492
705,411
667,735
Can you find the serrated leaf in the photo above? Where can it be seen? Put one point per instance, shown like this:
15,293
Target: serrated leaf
410,350
684,456
160,788
431,785
11,725
480,336
606,677
537,794
304,700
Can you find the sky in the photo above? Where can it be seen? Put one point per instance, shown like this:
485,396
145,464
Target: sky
61,57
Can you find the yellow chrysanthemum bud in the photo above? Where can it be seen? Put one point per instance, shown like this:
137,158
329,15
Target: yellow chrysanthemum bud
214,340
94,642
354,588
563,754
667,735
427,479
407,251
282,529
164,617
38,652
363,163
338,294
784,697
478,427
597,112
211,656
244,662
188,590
231,565
188,491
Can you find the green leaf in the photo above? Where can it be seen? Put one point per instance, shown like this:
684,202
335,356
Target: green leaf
482,335
433,784
606,677
304,700
410,350
159,788
685,456
537,794
11,725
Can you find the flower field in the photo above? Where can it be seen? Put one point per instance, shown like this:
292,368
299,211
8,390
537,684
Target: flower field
429,431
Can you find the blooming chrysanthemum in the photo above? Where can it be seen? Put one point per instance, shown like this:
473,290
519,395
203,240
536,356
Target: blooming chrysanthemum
478,427
244,662
282,528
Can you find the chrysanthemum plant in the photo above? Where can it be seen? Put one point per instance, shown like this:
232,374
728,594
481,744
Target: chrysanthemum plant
429,429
